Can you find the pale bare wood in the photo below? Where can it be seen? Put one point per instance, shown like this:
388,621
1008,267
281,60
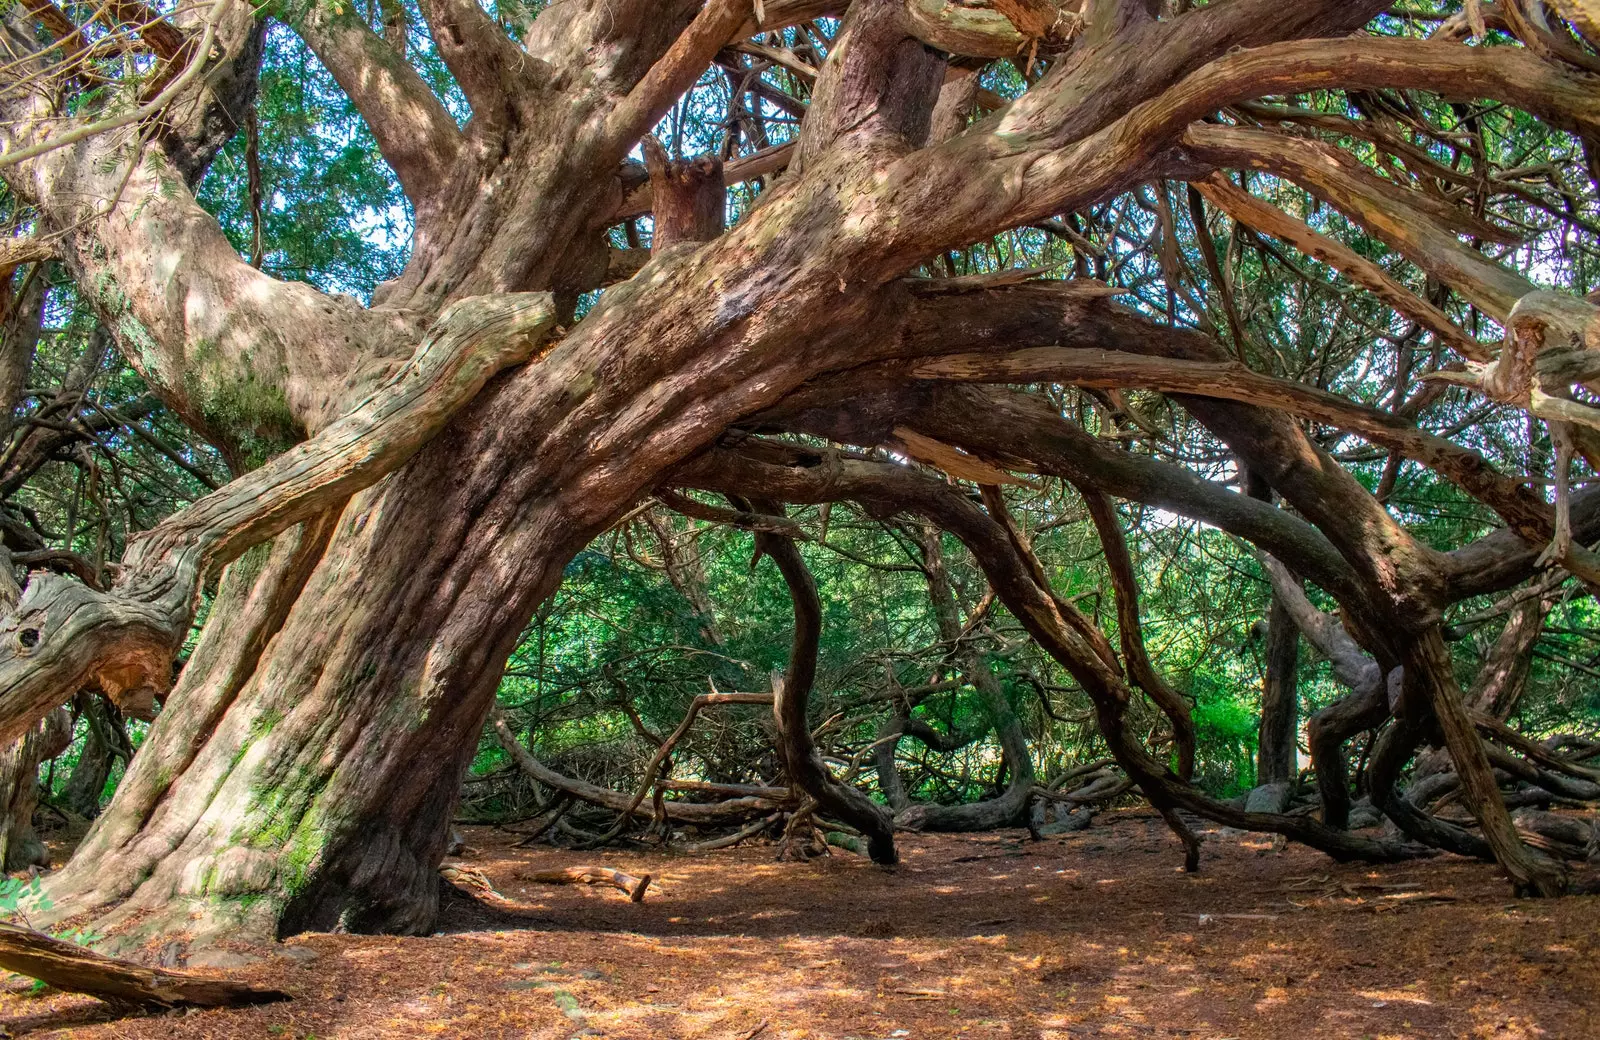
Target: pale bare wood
635,887
687,812
14,252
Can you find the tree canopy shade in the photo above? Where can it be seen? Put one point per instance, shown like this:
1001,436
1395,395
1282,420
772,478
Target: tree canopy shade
1007,319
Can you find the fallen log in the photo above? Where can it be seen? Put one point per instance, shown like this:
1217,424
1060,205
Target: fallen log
471,880
68,966
634,886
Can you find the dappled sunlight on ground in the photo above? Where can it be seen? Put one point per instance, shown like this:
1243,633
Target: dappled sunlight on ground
1095,935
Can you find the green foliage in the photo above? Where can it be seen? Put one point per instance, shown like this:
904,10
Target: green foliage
1225,736
332,213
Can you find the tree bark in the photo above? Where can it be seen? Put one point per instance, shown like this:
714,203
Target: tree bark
1277,760
280,789
20,847
104,744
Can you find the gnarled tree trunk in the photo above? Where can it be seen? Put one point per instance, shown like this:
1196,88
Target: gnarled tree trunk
305,767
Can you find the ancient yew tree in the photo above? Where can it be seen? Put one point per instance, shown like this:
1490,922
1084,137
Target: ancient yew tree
589,315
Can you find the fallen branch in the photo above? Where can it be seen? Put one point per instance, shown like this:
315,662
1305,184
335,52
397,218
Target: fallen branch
67,966
473,880
634,886
729,840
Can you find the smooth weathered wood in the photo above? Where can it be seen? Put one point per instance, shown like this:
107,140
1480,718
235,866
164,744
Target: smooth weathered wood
635,887
999,29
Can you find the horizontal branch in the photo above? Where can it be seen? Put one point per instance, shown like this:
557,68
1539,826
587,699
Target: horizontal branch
999,29
1234,382
605,797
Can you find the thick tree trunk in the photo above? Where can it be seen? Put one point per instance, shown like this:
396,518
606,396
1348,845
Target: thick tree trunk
301,805
172,781
304,771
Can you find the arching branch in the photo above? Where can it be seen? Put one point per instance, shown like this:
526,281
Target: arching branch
890,489
63,634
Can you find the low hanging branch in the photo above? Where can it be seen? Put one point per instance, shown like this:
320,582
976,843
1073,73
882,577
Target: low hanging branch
704,700
727,811
70,967
64,635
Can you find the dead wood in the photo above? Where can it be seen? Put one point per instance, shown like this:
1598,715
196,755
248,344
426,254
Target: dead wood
67,966
634,886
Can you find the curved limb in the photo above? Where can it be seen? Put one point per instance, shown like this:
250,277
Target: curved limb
63,635
804,763
654,768
890,489
1365,707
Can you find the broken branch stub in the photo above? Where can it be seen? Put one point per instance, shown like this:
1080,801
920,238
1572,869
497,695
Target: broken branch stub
64,635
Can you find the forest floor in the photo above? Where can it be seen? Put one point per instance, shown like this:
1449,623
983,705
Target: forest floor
1092,935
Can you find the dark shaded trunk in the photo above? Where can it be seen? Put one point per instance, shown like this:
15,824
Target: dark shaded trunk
103,745
1278,759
